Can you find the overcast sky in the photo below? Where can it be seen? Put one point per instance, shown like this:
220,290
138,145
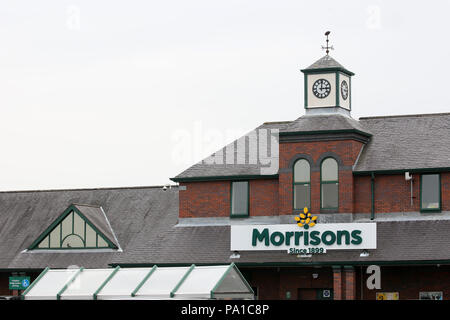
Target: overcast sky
98,93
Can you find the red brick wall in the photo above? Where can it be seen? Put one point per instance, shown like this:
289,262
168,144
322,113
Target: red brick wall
445,192
263,197
212,199
349,278
362,193
337,284
347,150
205,199
393,193
274,197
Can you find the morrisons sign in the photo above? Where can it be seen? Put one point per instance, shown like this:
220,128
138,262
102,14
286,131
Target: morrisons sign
318,239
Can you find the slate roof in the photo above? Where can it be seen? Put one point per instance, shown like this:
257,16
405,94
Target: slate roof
320,123
398,241
406,142
135,215
145,222
327,62
239,164
396,143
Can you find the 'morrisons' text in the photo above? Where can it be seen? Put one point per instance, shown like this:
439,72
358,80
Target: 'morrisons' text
306,238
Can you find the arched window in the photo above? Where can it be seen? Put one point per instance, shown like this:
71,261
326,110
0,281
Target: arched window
302,184
74,230
329,184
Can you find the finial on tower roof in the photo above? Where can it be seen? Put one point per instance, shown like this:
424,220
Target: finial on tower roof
327,47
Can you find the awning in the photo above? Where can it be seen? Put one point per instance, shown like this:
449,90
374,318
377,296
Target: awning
194,282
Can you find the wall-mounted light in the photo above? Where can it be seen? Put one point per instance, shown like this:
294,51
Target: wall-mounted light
235,255
364,254
315,275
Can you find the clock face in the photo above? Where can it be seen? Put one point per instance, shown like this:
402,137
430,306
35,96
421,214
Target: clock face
344,90
321,88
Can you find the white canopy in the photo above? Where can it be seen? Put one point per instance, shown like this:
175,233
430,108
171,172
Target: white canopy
194,282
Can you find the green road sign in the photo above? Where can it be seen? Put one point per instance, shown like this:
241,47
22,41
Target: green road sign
19,283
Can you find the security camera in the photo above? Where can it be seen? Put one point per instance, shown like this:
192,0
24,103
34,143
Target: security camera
164,188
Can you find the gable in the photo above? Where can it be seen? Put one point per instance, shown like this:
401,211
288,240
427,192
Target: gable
76,228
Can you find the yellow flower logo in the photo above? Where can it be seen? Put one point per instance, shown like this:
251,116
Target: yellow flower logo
305,219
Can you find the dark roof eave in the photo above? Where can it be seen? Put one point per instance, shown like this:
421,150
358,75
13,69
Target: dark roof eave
401,171
217,178
320,70
288,133
290,264
344,263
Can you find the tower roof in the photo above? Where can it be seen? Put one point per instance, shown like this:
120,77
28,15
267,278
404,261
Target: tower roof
327,63
324,123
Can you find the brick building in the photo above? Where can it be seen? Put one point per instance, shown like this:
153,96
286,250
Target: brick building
377,190
391,171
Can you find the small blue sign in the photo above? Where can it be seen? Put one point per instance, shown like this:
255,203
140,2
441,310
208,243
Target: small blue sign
25,283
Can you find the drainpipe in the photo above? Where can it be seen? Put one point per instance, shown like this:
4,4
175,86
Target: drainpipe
372,191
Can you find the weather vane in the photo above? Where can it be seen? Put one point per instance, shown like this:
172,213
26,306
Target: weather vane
327,47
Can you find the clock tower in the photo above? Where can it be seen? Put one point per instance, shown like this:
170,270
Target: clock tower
327,85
